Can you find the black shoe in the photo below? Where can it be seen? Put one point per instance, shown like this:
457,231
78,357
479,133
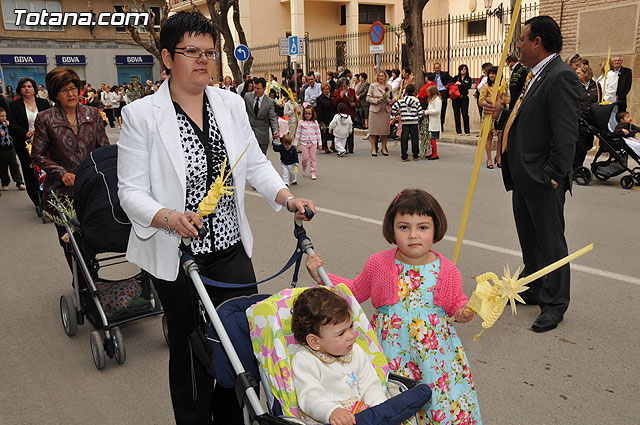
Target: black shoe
431,158
545,322
294,183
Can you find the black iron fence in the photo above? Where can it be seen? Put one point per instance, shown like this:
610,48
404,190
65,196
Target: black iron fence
470,39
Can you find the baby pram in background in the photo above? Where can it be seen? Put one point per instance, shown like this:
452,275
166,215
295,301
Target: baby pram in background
601,123
100,227
230,358
40,176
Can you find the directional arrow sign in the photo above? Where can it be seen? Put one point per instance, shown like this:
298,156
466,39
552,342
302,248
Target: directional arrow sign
241,52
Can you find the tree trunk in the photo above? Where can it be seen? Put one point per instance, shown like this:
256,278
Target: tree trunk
513,49
412,25
152,44
241,36
219,12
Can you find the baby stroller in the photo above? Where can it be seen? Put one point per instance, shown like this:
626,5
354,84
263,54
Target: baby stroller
40,176
601,123
245,328
100,226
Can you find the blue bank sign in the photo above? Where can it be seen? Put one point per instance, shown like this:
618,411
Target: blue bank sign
134,60
23,60
65,60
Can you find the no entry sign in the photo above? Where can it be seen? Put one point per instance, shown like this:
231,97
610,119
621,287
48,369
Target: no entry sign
376,33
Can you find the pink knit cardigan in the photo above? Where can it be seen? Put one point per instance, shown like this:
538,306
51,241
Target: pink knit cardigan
379,281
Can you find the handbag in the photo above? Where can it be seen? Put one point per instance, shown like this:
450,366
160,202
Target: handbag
454,91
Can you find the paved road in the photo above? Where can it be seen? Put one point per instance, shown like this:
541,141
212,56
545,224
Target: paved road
584,372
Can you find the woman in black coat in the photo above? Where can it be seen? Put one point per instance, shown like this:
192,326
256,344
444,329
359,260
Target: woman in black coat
326,110
589,94
22,116
461,104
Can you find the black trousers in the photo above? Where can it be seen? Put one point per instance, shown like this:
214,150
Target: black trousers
583,144
409,130
540,225
461,107
349,145
109,112
196,401
28,175
443,113
264,148
9,162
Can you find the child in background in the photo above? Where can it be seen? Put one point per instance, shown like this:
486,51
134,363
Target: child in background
410,110
291,111
8,158
309,138
103,115
433,112
288,159
341,126
415,290
331,373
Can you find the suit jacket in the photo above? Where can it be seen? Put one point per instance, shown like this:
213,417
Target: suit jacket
4,104
151,172
266,118
625,77
374,95
18,123
542,138
446,79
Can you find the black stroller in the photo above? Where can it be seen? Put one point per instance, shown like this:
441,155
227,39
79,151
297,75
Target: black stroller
100,227
601,123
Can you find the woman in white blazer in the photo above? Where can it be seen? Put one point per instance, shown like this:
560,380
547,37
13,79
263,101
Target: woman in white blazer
171,149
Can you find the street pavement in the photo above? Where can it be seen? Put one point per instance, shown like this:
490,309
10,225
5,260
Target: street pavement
584,372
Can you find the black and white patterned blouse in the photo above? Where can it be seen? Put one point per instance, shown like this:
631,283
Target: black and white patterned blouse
204,153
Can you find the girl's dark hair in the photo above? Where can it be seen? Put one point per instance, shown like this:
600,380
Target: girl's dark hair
314,117
176,26
59,77
493,70
314,308
24,80
341,108
414,201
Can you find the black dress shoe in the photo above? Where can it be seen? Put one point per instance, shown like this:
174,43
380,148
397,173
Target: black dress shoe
545,322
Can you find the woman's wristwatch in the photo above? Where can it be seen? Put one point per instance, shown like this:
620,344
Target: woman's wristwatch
286,202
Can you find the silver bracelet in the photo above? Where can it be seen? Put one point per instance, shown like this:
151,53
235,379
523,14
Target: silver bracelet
286,202
168,230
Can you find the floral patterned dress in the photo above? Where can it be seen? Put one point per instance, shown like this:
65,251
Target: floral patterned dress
421,344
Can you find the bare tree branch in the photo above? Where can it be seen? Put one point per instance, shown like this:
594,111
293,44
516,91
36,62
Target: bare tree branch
412,25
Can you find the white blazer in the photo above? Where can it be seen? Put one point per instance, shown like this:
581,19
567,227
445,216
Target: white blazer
151,172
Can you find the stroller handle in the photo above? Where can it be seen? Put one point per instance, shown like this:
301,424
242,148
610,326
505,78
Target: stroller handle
55,187
306,245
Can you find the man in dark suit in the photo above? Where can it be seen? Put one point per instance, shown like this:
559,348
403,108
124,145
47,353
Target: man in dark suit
442,78
516,82
539,138
624,82
262,113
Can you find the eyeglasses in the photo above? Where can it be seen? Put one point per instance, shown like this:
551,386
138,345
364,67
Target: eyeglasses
72,90
196,52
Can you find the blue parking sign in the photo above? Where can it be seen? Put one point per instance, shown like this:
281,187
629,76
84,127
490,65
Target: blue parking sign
241,52
293,45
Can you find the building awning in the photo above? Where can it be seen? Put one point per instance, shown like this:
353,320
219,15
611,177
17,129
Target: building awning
66,60
134,59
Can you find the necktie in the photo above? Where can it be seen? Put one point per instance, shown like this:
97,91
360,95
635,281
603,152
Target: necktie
256,107
514,113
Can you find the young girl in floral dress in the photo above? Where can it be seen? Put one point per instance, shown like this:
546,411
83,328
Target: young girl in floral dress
415,290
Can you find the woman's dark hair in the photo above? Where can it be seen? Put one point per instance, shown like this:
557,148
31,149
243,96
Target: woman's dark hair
314,308
24,80
461,67
493,70
407,70
389,73
115,88
363,75
59,77
414,201
548,30
430,76
176,26
396,71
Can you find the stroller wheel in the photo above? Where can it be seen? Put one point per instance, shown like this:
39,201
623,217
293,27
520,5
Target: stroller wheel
626,182
68,315
636,175
119,351
39,211
165,328
97,349
582,176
